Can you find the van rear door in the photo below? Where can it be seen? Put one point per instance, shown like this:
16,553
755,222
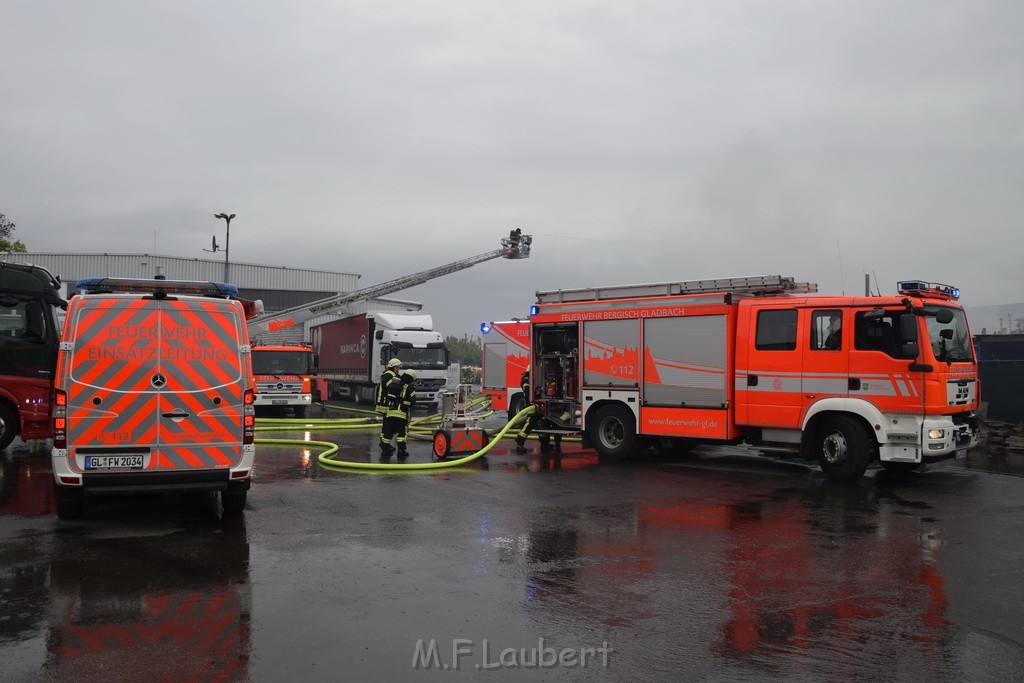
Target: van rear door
155,385
201,405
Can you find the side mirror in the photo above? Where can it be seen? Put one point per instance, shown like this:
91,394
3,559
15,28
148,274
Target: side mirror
908,328
908,336
36,322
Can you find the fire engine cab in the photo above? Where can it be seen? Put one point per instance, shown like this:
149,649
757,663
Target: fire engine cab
843,379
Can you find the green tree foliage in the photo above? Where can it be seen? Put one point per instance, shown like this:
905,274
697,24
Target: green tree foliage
6,232
466,351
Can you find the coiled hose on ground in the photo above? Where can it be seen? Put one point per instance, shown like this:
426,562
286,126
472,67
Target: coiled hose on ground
421,425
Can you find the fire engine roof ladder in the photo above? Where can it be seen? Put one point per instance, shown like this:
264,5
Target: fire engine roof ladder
759,285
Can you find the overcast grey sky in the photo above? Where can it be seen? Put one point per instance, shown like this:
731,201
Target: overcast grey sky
637,140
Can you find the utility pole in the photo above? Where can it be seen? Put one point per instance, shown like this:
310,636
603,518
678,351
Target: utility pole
227,243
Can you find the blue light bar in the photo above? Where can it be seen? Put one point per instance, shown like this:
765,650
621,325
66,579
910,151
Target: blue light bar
921,288
485,327
95,285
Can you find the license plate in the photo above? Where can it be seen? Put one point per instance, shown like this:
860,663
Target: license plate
110,462
961,453
279,402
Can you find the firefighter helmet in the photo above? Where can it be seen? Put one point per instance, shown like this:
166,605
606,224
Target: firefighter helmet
410,372
394,363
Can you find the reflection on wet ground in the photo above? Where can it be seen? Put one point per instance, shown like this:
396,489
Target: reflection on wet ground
720,565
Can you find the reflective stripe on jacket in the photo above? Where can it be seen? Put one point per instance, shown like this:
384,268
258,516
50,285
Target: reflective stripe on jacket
406,399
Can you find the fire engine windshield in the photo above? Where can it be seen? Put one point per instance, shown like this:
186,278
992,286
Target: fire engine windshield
281,362
950,341
423,359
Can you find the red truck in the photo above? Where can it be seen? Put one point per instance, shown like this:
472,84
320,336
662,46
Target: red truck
285,377
844,379
29,337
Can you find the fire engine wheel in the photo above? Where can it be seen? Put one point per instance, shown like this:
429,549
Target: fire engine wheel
613,433
8,426
844,449
442,444
300,411
517,403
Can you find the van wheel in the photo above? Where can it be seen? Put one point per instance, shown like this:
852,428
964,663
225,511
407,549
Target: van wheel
233,502
613,434
69,505
843,449
8,426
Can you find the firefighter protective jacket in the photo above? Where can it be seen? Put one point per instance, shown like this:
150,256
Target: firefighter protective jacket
401,396
386,378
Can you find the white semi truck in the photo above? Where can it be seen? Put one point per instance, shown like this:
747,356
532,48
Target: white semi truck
354,351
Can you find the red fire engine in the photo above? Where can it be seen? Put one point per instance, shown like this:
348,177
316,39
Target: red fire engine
506,356
842,379
285,377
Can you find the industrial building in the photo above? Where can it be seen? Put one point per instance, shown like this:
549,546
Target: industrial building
279,287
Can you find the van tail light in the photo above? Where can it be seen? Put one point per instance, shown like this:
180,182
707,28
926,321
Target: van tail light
248,417
60,419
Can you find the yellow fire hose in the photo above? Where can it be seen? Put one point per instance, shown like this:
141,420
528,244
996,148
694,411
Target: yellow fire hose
420,426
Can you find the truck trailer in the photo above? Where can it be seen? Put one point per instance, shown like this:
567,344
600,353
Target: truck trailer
845,380
354,351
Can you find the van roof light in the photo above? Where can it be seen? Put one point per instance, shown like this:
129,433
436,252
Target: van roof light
106,285
922,288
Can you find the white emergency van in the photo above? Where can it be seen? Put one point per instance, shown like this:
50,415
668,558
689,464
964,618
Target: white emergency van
153,392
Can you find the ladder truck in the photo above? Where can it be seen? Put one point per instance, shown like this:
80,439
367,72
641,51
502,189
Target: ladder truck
845,380
296,393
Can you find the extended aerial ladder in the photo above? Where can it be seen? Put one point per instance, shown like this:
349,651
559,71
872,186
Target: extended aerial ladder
515,246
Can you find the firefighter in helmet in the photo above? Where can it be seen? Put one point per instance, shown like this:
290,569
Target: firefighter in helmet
399,398
532,422
393,370
834,338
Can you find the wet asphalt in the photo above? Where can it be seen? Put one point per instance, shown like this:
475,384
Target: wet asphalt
720,566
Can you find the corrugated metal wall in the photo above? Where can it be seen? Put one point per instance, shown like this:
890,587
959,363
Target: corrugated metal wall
71,267
1001,397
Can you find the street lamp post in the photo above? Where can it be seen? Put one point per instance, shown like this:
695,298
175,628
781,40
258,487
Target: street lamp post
227,242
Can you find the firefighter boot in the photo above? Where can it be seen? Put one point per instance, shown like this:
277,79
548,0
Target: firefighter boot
386,450
545,444
402,452
520,444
